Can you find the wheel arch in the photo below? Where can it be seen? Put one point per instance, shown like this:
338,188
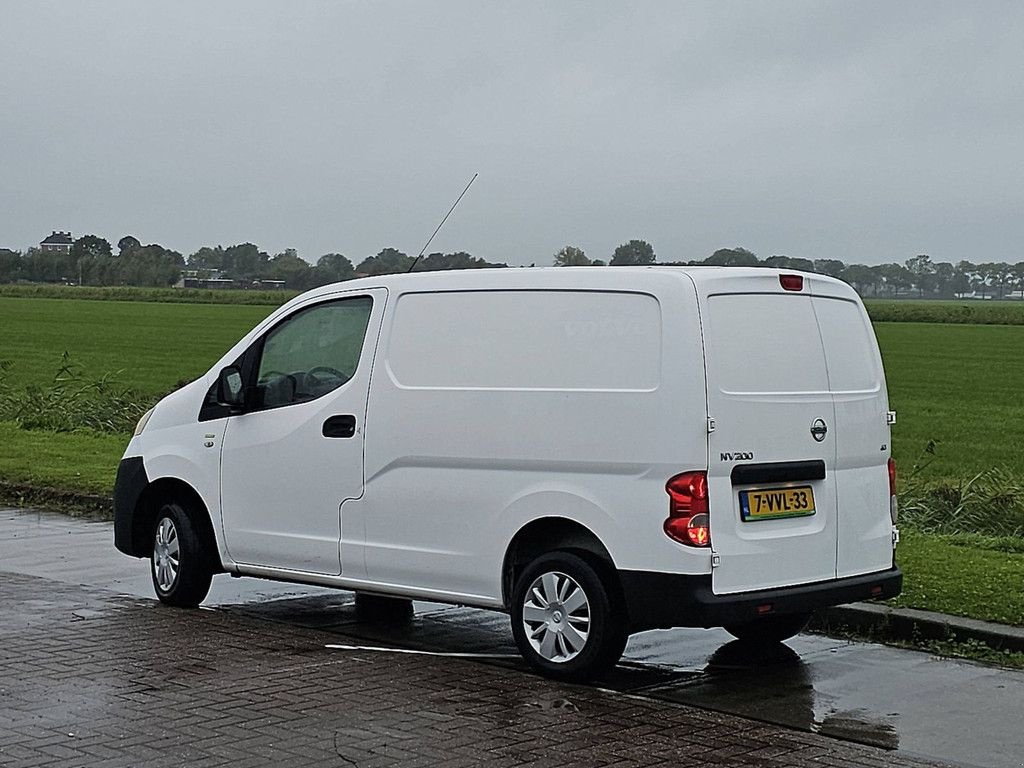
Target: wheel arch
549,534
162,490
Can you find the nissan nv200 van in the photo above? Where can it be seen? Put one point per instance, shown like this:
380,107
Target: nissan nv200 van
595,451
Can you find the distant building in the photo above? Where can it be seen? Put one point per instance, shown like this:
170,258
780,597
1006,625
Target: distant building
214,278
204,278
206,282
198,282
60,242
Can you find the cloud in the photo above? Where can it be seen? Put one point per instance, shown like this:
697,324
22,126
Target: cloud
867,132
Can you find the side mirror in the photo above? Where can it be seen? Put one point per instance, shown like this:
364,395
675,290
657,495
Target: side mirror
230,390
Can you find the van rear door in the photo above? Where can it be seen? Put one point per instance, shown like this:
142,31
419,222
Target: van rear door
862,430
772,453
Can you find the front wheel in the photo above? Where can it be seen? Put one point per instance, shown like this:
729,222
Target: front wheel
564,618
770,629
179,564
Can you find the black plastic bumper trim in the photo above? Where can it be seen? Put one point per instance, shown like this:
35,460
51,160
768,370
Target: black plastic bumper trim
128,487
664,600
778,472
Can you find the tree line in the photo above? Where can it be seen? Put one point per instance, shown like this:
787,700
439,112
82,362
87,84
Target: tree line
92,260
918,276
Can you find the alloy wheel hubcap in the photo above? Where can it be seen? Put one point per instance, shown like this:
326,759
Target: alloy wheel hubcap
166,554
556,617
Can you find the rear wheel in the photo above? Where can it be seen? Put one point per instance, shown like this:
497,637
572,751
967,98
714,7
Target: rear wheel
564,618
770,629
180,561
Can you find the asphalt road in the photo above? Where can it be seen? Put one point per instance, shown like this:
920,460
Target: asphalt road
904,702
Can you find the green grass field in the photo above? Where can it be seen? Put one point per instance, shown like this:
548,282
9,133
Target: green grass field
958,385
972,311
134,293
152,345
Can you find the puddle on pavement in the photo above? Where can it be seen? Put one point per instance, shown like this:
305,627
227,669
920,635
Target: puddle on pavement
313,612
773,684
859,725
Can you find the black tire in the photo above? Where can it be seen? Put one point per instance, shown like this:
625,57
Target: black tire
180,562
572,655
770,629
381,609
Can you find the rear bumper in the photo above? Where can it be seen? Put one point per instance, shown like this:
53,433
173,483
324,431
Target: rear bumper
663,600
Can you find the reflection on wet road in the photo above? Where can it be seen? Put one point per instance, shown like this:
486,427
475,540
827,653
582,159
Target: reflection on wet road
886,697
776,685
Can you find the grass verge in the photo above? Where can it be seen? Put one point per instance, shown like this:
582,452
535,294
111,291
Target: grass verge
975,580
79,462
972,650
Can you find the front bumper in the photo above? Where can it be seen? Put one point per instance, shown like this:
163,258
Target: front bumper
128,487
664,600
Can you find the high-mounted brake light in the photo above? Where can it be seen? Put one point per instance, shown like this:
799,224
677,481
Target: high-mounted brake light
687,520
893,503
791,282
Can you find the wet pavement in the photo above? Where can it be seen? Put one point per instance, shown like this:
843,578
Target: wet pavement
851,692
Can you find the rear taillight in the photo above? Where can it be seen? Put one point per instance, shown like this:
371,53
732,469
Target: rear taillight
791,282
687,520
893,504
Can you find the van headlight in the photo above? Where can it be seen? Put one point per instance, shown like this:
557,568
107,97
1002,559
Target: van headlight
143,422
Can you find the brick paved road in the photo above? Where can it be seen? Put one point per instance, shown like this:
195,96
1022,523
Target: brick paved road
88,678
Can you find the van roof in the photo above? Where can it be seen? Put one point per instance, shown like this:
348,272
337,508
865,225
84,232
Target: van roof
705,279
655,280
562,276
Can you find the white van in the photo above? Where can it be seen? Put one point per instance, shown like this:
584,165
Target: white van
596,451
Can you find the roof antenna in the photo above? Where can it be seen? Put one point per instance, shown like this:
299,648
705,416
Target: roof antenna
429,241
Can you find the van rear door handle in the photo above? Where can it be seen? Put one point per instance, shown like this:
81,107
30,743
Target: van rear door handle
340,426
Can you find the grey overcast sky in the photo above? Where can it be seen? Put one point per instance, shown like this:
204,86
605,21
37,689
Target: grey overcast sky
864,131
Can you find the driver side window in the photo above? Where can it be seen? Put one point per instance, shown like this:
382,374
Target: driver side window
313,352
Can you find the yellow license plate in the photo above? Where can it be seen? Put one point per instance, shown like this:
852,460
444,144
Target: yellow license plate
773,503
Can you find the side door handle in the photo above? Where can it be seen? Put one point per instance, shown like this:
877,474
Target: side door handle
340,426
